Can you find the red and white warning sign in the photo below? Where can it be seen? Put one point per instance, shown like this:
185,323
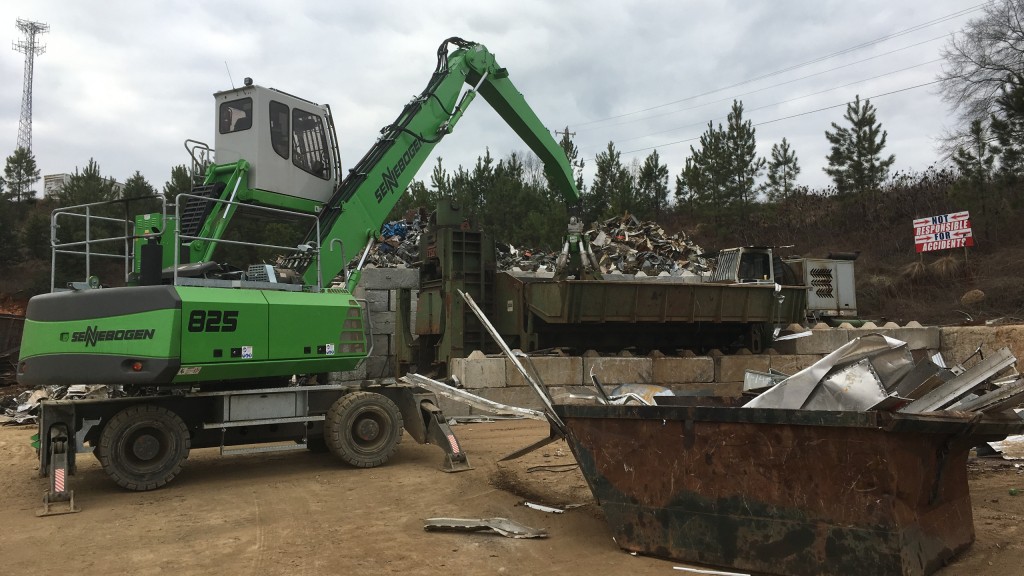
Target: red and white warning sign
943,232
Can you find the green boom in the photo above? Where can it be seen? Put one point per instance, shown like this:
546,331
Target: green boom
364,199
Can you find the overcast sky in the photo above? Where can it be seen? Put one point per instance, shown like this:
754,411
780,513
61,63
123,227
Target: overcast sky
127,81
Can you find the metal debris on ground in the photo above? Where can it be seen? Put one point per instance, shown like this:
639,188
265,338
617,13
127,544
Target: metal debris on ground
714,572
557,468
470,399
876,372
543,508
502,526
23,408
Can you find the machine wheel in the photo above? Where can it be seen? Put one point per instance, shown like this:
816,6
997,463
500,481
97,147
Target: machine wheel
363,429
143,446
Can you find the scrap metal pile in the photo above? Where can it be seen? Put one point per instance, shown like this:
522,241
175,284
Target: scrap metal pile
876,372
628,246
400,246
24,407
870,373
623,245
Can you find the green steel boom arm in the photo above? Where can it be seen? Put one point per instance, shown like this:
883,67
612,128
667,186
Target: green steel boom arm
364,199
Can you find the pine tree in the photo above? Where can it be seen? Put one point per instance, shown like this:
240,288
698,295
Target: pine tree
975,163
720,176
652,188
612,185
782,172
684,195
86,187
10,246
706,175
179,183
136,187
855,162
35,234
743,165
572,153
20,174
1007,126
440,181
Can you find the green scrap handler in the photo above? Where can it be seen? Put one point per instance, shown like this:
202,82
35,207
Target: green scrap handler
205,352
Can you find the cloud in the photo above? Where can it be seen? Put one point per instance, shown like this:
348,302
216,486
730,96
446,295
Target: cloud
127,82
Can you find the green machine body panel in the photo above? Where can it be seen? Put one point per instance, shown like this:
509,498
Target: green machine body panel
223,326
252,334
156,335
119,336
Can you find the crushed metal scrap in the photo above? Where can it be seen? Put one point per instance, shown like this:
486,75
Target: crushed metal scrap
502,526
23,408
630,246
623,245
876,372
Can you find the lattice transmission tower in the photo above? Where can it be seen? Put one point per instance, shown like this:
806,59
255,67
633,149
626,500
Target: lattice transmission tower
30,48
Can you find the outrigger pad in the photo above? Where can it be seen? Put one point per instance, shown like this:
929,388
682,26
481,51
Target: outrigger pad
439,433
68,497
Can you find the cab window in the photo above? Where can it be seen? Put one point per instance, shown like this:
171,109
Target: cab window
236,115
309,144
279,128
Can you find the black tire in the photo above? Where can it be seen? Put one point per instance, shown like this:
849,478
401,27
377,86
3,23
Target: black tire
363,429
143,447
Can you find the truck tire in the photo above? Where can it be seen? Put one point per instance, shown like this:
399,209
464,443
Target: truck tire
143,446
363,429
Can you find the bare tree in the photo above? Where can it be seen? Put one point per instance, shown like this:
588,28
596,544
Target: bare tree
980,59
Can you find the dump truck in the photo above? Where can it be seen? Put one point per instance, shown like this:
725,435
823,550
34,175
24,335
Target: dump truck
213,355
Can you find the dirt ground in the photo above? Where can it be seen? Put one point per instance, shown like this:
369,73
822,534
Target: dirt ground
305,513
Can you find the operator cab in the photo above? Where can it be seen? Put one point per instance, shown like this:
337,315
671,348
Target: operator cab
289,142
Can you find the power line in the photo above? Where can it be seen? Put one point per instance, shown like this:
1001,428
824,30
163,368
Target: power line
794,99
790,117
728,98
896,34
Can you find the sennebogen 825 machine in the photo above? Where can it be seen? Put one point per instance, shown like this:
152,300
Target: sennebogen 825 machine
204,351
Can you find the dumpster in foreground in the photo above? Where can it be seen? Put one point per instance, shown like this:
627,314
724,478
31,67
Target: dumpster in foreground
787,492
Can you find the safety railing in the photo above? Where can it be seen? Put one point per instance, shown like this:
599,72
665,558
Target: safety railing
202,157
94,216
310,249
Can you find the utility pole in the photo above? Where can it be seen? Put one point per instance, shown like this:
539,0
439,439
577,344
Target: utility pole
30,48
565,133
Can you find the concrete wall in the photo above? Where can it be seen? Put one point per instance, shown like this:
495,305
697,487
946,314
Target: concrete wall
717,374
379,288
959,342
